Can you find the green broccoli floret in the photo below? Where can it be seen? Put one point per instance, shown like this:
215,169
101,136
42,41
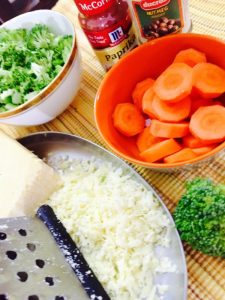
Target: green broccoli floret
19,75
4,35
200,216
17,38
63,46
40,37
11,56
5,80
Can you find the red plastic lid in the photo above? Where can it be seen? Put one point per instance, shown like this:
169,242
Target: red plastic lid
93,7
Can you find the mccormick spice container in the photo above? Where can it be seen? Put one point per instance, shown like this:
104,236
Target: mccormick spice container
157,18
108,27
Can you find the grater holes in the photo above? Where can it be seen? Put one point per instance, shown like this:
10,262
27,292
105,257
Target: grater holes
22,276
40,263
49,280
22,232
11,254
31,247
3,236
33,297
59,298
3,297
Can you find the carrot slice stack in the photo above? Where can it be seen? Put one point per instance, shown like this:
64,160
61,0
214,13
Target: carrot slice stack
160,150
171,112
127,119
208,123
203,150
191,141
139,91
182,155
209,80
199,102
146,139
147,103
190,57
178,116
175,83
169,130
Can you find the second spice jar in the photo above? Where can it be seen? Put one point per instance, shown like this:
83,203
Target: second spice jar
157,18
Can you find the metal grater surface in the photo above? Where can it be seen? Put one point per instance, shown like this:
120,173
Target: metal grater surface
32,267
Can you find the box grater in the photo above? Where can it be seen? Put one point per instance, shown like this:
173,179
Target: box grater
38,260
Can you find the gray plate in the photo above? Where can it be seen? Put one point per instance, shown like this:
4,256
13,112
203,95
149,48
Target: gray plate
58,144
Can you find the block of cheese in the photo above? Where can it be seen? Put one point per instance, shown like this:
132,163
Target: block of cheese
26,181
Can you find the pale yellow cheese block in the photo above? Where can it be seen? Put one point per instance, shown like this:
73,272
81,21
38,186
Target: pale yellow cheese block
26,181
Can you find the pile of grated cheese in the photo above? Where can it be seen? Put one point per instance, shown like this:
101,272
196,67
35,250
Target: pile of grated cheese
116,223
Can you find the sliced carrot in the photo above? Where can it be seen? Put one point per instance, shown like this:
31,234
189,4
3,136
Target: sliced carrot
208,123
160,150
171,112
197,102
146,139
191,141
127,119
175,83
190,57
203,150
169,130
147,103
182,155
221,99
209,80
217,103
139,91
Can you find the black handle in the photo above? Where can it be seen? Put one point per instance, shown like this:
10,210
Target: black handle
72,254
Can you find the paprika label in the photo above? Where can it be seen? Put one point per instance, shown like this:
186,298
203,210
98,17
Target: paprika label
111,43
156,18
111,54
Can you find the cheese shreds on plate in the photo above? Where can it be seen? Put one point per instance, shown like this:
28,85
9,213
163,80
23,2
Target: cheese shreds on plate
117,223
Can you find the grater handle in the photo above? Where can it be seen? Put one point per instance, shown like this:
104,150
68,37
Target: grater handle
72,254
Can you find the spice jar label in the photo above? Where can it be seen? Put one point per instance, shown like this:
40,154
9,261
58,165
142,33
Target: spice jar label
110,55
156,18
110,36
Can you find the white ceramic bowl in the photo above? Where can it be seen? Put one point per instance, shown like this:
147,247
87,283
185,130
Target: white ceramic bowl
56,97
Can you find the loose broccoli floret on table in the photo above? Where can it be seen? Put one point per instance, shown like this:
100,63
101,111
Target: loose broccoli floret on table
200,216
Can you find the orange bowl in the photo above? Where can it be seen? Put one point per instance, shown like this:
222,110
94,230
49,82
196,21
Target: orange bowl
148,60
